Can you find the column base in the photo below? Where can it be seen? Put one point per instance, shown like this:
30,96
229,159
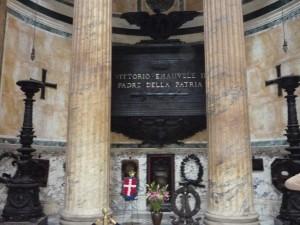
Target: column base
212,219
77,219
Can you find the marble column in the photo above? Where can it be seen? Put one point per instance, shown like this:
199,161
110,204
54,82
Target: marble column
3,10
230,194
88,150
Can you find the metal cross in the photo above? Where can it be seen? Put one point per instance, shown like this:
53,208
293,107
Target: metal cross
278,70
46,84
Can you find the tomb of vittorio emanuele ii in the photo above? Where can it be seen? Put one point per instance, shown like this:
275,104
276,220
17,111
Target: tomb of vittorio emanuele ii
198,95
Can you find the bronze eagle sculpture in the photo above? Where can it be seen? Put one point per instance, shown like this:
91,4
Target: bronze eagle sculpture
159,26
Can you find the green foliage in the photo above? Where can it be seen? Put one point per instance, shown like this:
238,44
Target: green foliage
156,196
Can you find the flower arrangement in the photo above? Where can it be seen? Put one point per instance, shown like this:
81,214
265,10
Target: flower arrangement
156,196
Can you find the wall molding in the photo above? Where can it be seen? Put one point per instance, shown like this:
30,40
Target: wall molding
66,2
38,24
50,143
63,28
29,16
291,11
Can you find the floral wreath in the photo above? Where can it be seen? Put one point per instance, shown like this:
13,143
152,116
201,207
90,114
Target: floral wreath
194,158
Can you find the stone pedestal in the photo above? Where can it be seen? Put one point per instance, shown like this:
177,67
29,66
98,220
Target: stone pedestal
87,163
230,196
3,10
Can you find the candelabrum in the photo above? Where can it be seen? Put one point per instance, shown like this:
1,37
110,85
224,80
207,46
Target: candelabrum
23,202
284,168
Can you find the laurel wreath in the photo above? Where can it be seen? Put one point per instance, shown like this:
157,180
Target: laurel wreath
197,161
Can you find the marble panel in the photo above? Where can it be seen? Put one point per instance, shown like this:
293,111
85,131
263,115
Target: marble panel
267,111
121,6
49,114
194,5
267,199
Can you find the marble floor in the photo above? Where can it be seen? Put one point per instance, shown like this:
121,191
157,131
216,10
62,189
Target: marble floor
144,219
138,219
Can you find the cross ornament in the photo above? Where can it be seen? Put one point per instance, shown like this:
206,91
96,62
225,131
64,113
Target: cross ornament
278,70
45,84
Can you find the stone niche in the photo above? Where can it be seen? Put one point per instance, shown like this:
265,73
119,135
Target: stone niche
160,169
130,165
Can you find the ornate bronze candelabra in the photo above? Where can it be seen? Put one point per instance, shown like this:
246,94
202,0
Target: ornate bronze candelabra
23,202
284,168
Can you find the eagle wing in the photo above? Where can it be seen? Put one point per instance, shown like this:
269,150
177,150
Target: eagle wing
136,18
180,18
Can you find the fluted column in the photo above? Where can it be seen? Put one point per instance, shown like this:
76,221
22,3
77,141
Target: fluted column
87,161
3,10
230,195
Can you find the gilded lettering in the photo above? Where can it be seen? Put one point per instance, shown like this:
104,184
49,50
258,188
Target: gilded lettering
129,85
